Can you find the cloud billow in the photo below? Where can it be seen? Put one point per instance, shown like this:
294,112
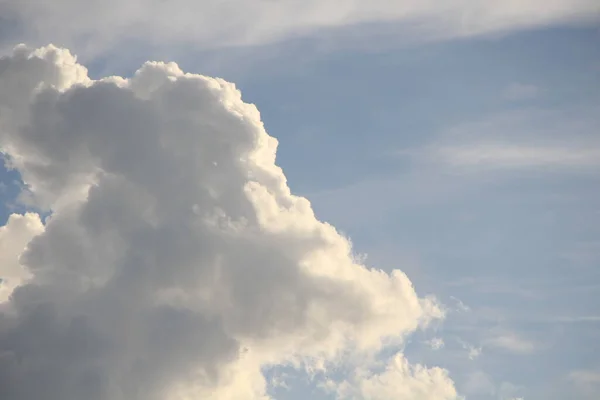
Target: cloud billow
175,263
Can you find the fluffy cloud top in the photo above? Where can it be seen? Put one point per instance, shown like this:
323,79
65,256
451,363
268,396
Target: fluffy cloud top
176,264
209,23
14,237
399,381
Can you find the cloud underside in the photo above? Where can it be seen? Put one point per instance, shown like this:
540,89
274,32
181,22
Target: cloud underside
176,264
212,23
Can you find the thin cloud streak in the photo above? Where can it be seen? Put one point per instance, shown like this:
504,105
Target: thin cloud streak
95,26
511,342
503,155
530,138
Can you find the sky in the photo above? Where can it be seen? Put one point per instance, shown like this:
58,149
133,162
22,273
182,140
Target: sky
300,200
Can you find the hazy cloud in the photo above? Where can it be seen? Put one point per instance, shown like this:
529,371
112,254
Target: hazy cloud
520,91
435,343
516,156
586,382
96,25
479,383
548,139
473,352
585,377
512,342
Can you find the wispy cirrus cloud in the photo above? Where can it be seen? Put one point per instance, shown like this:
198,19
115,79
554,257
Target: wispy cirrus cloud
473,351
507,155
512,342
519,139
585,377
95,25
586,382
520,91
435,343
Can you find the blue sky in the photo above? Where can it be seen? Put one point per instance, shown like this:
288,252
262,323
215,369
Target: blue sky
518,244
471,164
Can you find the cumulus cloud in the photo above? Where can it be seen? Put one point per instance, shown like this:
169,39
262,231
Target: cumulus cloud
176,263
14,236
399,381
99,24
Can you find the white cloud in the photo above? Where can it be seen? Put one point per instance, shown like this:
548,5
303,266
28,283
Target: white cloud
176,262
548,139
460,306
473,352
512,342
435,343
97,24
14,236
509,155
399,381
